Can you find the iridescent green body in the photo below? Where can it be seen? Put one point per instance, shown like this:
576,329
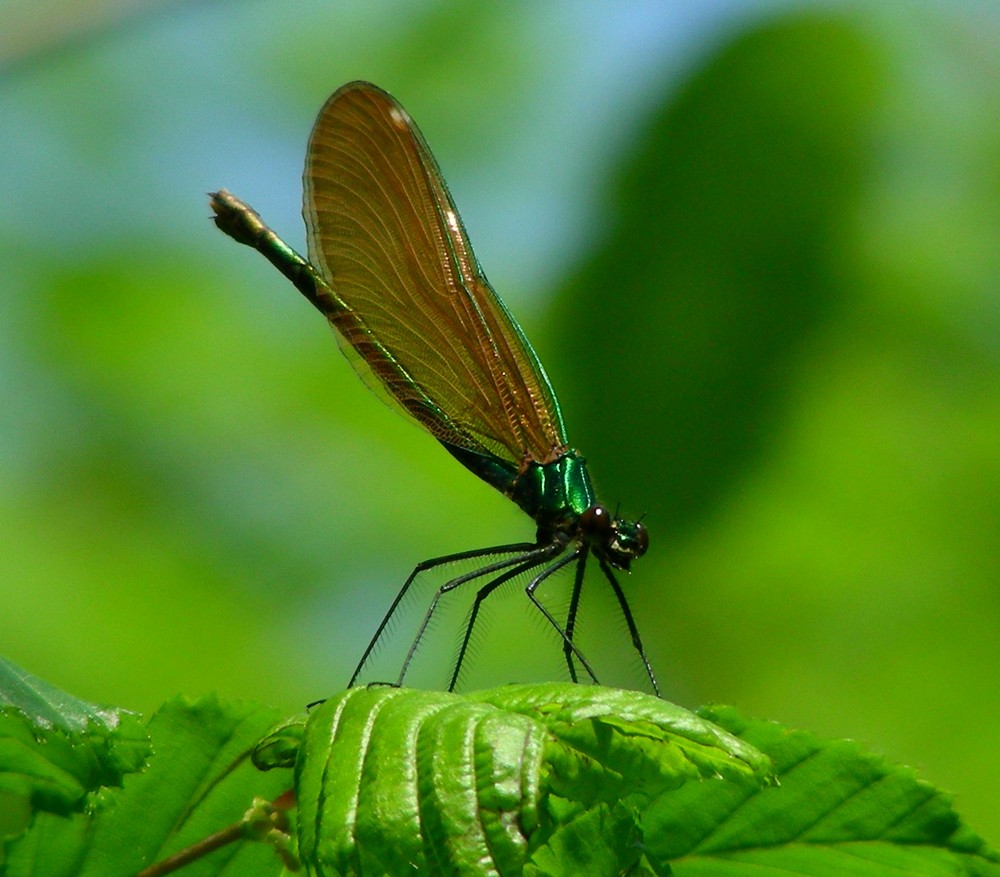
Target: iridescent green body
554,494
392,270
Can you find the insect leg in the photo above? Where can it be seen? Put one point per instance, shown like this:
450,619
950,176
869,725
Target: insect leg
526,552
630,621
520,548
574,605
568,643
484,592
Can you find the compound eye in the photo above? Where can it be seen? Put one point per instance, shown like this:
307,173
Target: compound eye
596,523
642,540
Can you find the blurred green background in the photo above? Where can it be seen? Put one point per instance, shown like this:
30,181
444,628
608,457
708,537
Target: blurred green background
758,251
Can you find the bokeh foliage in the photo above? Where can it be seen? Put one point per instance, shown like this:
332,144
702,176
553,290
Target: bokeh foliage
773,321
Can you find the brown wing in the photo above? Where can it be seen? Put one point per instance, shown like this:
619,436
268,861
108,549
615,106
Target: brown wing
411,300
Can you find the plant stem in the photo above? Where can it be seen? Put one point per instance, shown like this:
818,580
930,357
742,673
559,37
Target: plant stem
264,821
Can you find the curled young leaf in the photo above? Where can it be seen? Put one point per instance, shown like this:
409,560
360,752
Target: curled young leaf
395,781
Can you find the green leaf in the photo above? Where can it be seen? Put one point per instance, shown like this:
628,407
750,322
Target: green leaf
199,781
604,839
54,749
280,748
628,742
397,781
549,780
836,810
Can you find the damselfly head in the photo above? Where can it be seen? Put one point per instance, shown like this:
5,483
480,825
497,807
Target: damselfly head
617,540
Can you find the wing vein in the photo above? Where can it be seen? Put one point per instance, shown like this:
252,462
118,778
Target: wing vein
420,321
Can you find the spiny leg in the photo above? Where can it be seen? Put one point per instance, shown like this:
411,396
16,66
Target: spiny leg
519,548
567,640
482,594
630,621
574,605
529,555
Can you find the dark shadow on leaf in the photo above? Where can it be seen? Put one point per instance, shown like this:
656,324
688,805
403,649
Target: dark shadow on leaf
721,267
